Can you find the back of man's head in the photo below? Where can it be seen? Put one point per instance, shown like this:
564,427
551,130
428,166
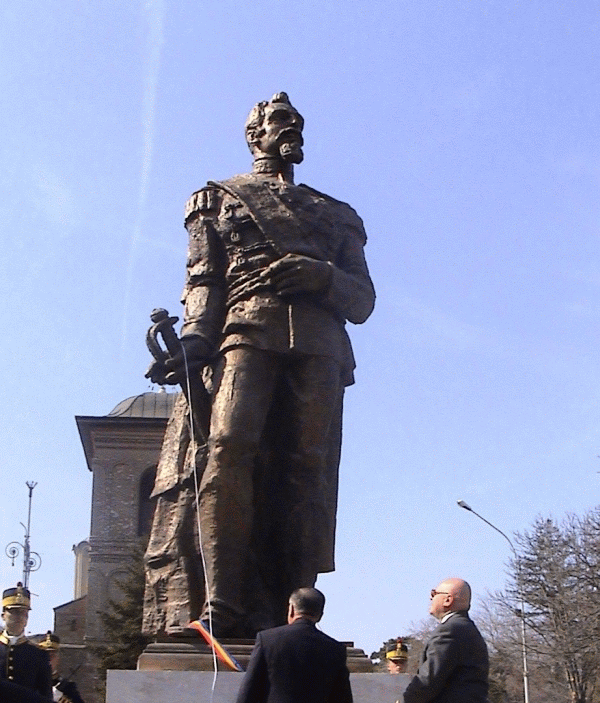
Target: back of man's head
461,592
309,602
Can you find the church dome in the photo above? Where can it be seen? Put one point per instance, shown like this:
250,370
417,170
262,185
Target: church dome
145,405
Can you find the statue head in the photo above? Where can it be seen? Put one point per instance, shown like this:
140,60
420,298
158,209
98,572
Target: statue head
274,129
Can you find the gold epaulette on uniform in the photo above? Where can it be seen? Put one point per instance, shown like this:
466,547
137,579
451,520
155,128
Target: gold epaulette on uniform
5,639
201,201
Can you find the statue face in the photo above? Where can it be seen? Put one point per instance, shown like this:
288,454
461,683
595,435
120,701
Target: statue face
282,133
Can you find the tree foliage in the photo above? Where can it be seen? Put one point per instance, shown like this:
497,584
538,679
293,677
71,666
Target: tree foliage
500,626
555,573
123,622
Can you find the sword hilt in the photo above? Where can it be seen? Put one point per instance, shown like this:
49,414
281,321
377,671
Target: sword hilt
163,326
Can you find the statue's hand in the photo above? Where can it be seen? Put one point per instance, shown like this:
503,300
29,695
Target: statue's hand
197,355
294,273
157,373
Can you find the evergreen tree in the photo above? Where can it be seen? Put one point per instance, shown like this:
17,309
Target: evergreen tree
123,622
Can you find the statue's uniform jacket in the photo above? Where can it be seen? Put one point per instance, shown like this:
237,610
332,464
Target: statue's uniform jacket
233,240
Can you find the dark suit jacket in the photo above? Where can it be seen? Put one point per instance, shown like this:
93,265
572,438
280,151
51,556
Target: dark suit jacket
296,664
454,665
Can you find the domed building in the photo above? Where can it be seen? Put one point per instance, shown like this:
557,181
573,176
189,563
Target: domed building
122,451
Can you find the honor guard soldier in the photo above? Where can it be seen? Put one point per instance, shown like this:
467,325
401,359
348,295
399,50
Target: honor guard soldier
64,691
396,657
21,662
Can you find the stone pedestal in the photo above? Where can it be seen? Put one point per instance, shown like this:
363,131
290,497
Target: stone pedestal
187,654
205,687
191,655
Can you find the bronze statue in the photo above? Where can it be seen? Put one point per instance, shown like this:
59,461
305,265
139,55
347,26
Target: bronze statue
274,271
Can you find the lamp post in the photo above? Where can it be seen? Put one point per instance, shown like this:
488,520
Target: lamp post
31,560
464,505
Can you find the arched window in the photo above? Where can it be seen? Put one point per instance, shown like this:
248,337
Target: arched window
146,509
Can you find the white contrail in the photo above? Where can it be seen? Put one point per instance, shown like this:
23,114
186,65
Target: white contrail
154,11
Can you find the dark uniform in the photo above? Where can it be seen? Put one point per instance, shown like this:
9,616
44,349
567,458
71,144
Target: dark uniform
13,693
65,691
21,662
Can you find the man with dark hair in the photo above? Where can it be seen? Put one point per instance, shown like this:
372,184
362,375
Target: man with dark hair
296,663
21,662
308,601
454,664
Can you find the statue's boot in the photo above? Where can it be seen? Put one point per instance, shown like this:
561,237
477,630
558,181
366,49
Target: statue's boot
225,525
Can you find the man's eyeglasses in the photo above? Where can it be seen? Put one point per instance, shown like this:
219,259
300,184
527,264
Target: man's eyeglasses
435,593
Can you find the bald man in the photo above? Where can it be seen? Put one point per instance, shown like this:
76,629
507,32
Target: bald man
454,664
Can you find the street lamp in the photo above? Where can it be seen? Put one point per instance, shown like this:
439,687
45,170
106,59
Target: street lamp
31,560
464,505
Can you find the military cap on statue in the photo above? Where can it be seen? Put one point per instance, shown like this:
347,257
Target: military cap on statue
397,651
49,641
18,597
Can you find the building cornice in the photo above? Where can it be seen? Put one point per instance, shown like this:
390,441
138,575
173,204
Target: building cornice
98,433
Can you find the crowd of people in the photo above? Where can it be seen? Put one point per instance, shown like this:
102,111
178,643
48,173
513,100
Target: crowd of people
293,663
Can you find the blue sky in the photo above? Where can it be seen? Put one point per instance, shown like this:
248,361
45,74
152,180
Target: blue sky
465,133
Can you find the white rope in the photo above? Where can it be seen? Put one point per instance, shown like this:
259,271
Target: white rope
197,502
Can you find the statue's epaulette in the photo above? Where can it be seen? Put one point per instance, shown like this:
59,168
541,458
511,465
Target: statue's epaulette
322,195
345,214
203,201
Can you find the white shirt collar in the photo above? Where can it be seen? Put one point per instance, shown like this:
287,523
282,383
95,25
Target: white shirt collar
447,616
13,639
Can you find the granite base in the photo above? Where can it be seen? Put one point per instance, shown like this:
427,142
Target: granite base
204,687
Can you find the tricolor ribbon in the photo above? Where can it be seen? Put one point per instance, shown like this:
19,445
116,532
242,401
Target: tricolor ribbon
215,645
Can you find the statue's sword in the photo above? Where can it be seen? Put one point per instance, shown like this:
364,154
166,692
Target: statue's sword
192,386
